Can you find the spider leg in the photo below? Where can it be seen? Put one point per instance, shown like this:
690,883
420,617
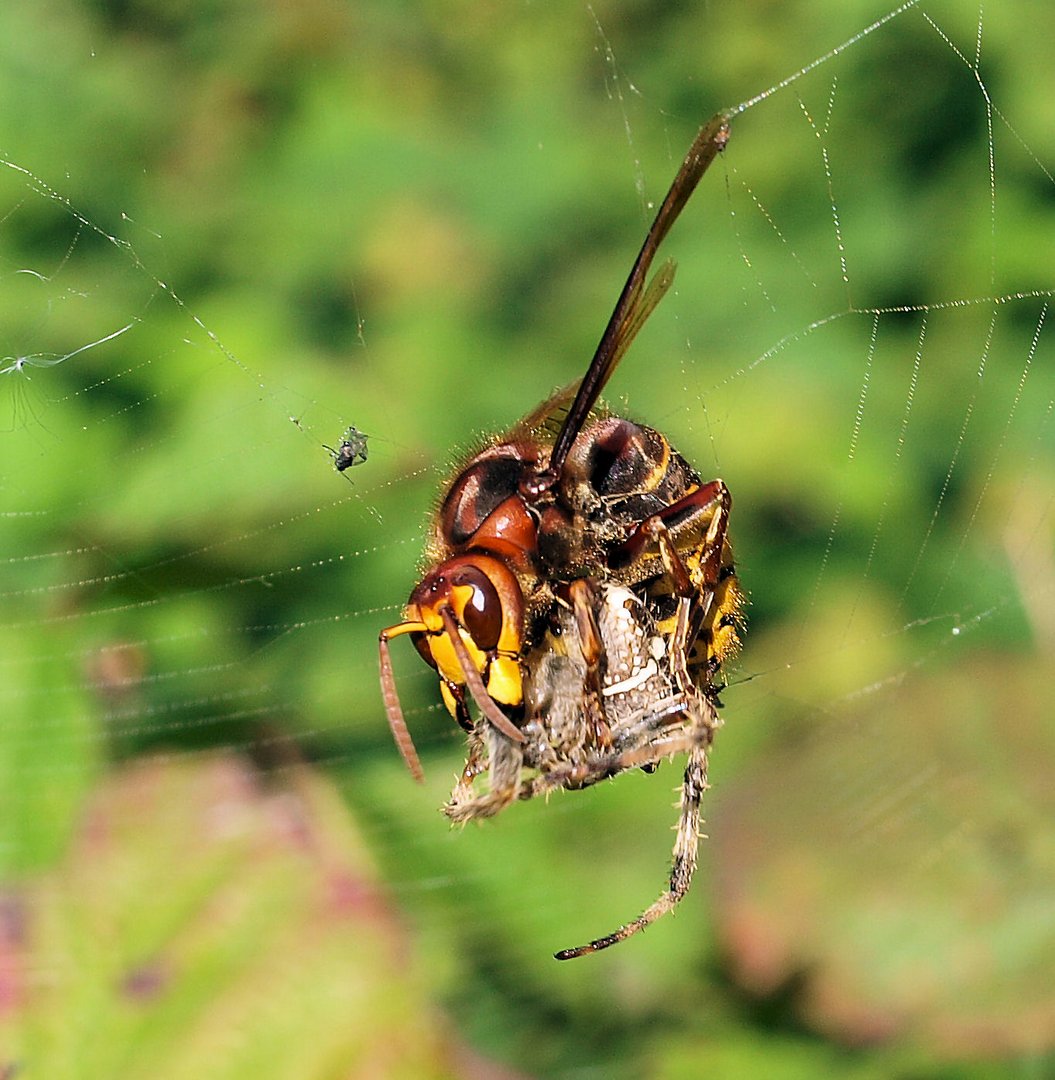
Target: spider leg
684,865
602,766
506,761
475,764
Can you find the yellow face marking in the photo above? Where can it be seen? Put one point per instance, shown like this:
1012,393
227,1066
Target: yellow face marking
460,597
448,699
504,682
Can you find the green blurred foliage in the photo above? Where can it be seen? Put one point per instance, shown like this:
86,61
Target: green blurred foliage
415,218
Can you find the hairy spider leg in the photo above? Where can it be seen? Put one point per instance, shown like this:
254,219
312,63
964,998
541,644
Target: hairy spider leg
686,846
473,767
506,760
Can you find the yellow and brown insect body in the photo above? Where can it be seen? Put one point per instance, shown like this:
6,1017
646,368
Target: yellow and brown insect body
725,620
618,475
581,591
618,459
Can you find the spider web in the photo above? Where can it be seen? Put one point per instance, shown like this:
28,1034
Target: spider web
419,231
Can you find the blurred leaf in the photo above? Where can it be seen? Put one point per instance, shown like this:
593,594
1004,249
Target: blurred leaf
207,924
893,876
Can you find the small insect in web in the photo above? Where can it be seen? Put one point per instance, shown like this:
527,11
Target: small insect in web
351,452
581,593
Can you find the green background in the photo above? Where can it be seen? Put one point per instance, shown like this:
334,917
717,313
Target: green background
415,218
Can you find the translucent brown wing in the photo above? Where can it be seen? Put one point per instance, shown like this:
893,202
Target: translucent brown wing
636,302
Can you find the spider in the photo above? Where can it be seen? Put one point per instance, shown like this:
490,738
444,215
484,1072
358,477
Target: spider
581,593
